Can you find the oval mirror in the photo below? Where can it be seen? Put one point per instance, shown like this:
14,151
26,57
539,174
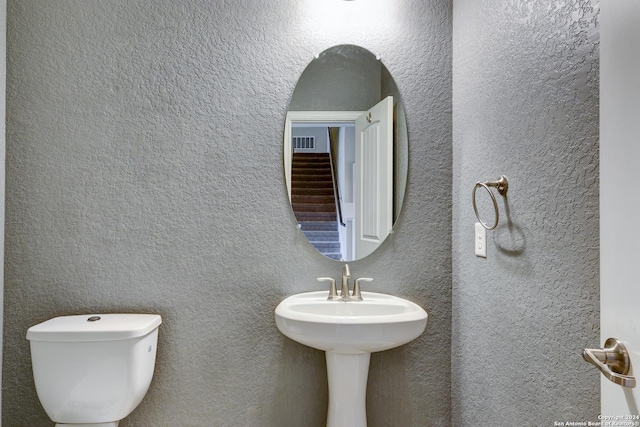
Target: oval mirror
346,152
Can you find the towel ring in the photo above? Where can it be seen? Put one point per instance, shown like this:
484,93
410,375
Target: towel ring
502,184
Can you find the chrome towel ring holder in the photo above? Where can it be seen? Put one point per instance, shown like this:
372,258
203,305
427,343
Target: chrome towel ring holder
502,185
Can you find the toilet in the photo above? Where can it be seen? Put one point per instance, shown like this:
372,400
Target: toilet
93,370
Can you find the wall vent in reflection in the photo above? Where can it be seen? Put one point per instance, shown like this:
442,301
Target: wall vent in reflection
304,143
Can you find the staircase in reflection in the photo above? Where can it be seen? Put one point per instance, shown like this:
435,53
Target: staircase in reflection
313,201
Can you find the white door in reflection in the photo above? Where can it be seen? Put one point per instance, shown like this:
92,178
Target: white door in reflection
374,177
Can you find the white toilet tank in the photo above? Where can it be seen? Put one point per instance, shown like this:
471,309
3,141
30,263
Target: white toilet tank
93,368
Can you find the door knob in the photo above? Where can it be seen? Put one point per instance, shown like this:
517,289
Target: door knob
613,361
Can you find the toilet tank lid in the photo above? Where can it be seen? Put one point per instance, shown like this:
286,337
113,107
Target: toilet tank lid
94,327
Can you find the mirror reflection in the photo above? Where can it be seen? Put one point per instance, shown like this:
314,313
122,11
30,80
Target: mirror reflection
346,152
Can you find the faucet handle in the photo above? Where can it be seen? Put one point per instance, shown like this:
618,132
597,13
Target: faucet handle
333,293
356,288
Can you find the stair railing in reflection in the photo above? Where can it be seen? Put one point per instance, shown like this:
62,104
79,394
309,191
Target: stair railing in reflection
334,179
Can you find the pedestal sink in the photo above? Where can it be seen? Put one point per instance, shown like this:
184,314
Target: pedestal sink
349,331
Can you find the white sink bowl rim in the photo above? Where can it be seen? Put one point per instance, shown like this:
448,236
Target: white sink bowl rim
378,322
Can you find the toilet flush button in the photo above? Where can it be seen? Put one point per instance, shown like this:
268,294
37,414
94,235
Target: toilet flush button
480,240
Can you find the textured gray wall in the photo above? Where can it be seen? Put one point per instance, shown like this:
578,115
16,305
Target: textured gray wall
525,104
3,93
130,187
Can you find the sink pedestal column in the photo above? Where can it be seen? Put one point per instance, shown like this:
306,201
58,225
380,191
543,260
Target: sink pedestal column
347,375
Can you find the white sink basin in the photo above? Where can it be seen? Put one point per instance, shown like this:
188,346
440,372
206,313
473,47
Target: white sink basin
349,331
378,322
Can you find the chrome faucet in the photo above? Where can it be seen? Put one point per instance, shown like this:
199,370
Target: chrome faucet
346,274
344,293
